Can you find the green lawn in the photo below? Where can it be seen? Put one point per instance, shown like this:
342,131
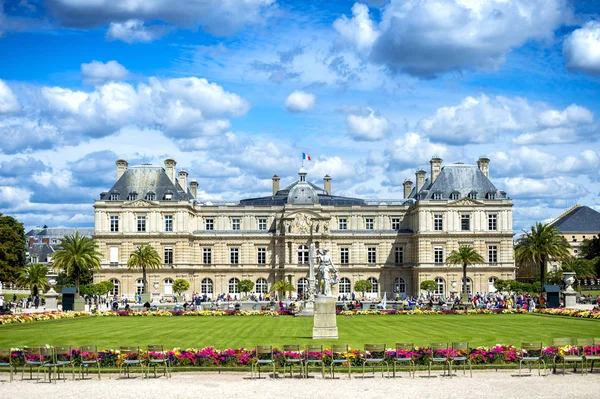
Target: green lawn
222,332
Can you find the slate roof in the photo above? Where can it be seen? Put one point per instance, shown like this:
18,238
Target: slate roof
459,178
144,179
41,250
579,219
59,232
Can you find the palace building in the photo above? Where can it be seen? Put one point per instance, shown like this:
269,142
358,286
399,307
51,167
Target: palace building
395,244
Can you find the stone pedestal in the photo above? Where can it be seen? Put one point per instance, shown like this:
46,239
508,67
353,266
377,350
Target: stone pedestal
155,297
145,298
325,326
51,300
570,300
308,309
79,305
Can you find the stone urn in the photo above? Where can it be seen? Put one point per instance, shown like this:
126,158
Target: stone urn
569,279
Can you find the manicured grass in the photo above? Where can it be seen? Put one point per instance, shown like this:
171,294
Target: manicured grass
228,331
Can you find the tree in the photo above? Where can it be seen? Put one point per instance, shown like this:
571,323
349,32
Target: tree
105,287
543,243
590,248
465,256
34,276
502,285
428,285
283,286
363,286
77,256
13,246
583,268
246,286
144,257
180,286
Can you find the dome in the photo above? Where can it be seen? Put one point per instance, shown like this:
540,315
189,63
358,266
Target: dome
303,194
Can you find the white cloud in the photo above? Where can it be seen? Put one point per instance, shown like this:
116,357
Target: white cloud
8,101
134,31
371,127
300,101
413,150
427,38
557,187
582,48
56,178
336,167
97,72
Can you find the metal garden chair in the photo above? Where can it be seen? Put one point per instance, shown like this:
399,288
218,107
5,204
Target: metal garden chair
531,352
375,355
314,357
439,354
5,358
594,355
130,356
89,357
338,356
31,359
403,356
293,357
157,357
47,356
460,353
264,357
64,357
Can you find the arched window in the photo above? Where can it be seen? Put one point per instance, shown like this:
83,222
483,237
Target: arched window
441,286
491,282
303,255
139,286
302,287
115,290
262,286
375,288
168,283
233,285
150,196
400,285
469,285
344,286
206,286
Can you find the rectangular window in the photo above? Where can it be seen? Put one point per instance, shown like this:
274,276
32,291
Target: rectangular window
168,223
206,256
344,256
437,223
235,224
493,254
168,256
399,255
438,255
369,223
262,224
234,256
114,223
141,223
395,223
492,222
372,255
114,256
261,256
343,224
209,224
465,222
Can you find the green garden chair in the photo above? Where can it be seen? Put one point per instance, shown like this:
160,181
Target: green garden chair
575,357
157,357
460,353
531,352
5,358
64,358
264,357
89,357
338,356
375,354
594,355
130,356
47,356
31,359
314,357
292,356
405,358
439,354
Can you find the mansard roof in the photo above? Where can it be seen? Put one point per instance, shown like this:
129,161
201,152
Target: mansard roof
147,178
579,219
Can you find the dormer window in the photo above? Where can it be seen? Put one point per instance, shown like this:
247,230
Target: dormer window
132,196
168,196
455,195
473,195
491,195
114,196
437,196
151,196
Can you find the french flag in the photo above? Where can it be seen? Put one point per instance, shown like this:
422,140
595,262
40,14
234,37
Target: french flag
306,156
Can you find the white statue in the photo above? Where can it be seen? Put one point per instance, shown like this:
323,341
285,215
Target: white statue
327,274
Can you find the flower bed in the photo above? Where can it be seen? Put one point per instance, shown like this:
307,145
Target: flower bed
30,317
242,357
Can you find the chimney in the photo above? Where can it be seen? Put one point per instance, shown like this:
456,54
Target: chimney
436,167
170,169
327,184
420,179
484,165
121,167
194,189
275,179
183,175
407,188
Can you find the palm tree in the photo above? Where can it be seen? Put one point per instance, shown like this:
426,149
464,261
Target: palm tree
465,256
283,286
77,255
543,243
34,276
144,257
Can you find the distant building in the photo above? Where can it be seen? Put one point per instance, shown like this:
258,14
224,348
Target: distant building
43,241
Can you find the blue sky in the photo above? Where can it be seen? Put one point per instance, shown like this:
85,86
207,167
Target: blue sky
236,90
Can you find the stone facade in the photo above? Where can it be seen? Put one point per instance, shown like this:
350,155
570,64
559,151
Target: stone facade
395,243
